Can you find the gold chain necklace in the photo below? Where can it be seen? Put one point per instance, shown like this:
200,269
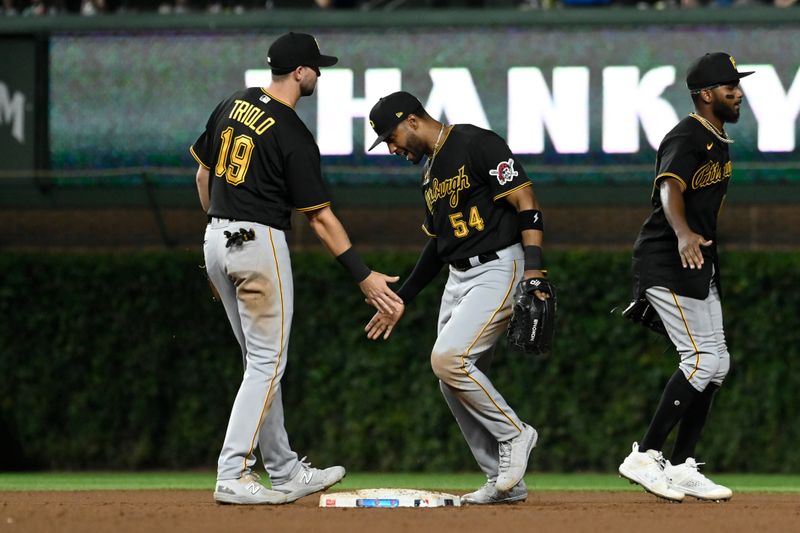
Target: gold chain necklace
723,137
429,164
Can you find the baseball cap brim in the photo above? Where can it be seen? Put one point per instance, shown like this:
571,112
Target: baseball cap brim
382,137
326,61
739,75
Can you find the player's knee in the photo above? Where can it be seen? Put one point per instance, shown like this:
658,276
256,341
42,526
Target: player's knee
723,368
444,364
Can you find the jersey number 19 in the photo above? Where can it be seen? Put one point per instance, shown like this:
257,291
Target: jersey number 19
234,168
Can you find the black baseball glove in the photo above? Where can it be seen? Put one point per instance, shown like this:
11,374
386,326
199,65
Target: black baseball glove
639,311
533,322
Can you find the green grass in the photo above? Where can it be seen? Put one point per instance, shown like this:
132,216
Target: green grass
205,481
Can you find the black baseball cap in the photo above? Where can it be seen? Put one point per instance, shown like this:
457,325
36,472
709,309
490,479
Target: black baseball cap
293,50
390,111
713,69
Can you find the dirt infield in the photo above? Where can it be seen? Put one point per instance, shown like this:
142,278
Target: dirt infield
190,511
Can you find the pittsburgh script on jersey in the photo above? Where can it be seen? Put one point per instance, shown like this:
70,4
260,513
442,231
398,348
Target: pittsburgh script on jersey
711,173
251,116
451,186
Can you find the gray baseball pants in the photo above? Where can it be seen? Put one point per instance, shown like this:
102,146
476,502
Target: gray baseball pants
475,309
254,281
695,328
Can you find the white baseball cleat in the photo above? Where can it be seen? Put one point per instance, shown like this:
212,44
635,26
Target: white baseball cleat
488,495
647,469
246,491
309,480
514,456
687,478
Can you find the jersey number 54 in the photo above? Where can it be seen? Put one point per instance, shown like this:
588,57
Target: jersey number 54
460,228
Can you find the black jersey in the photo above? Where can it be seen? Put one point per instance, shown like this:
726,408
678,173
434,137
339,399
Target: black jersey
464,188
692,154
262,160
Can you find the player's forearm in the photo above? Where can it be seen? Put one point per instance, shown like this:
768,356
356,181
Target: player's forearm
202,187
329,230
531,228
525,200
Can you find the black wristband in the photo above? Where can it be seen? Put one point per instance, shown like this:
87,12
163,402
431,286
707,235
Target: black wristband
354,264
530,219
533,257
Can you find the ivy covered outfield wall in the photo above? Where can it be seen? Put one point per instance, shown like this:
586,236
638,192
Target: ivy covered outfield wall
123,361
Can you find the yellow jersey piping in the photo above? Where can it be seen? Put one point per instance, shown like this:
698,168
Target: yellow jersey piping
686,325
313,207
671,175
197,158
263,90
267,400
506,193
428,233
463,362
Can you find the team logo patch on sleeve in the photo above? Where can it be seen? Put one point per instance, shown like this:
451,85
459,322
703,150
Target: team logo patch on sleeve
504,172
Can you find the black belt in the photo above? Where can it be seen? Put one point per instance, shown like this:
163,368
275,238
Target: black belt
464,264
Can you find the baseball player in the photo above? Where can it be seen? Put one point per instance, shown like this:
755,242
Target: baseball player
484,222
257,162
675,267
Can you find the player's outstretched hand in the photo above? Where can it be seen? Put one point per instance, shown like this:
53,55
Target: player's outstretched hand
689,244
378,293
383,323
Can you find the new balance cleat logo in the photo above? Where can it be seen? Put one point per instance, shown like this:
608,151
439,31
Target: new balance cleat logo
307,475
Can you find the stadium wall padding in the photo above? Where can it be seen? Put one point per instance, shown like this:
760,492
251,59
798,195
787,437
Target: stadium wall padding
122,361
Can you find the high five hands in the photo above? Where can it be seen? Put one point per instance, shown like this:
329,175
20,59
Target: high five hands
382,323
378,294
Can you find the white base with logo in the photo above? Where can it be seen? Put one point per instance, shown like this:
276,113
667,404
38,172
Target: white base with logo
389,498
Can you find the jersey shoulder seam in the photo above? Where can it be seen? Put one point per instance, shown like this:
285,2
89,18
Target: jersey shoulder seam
671,175
197,158
506,193
313,207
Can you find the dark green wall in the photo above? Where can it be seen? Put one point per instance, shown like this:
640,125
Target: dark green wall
122,361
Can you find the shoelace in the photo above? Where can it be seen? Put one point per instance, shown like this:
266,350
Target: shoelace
505,456
305,465
253,486
695,466
660,461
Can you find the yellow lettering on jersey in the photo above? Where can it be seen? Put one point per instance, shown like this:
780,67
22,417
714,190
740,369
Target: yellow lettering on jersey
710,173
475,219
447,187
266,124
251,116
240,107
227,135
